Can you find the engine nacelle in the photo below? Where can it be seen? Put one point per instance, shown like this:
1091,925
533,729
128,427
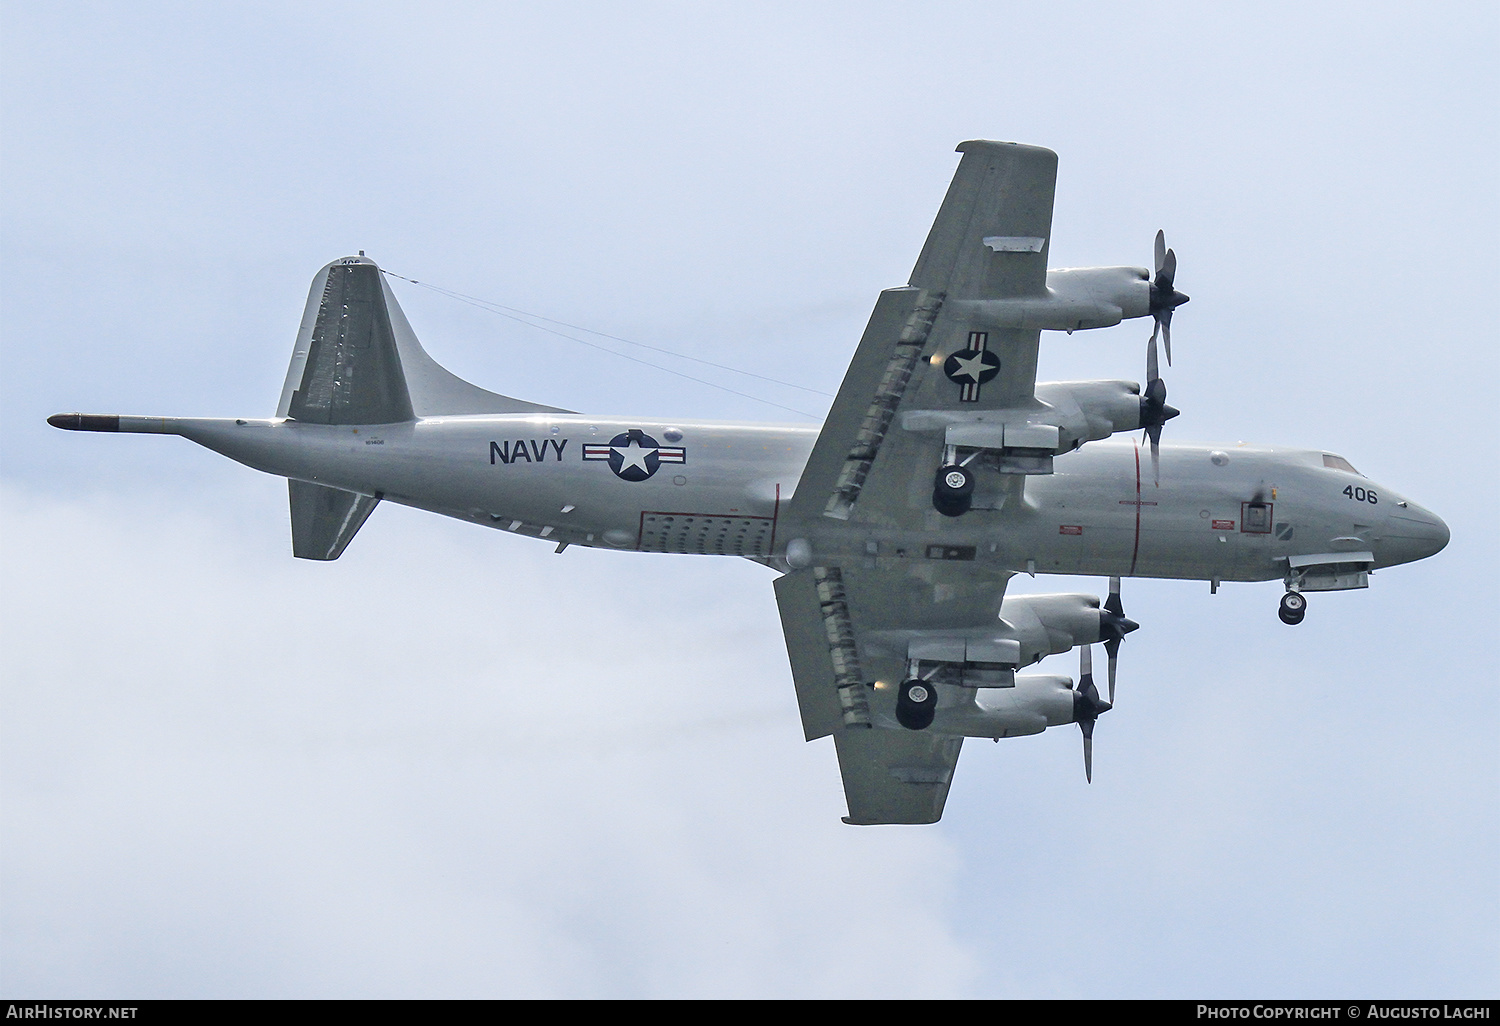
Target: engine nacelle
1065,415
1051,624
1030,628
1077,298
1034,704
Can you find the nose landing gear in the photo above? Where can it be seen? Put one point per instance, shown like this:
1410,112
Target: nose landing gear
1293,608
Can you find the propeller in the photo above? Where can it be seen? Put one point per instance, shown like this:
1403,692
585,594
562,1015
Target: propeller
1113,626
1164,298
1154,409
1087,705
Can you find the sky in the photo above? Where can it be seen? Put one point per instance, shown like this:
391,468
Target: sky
450,765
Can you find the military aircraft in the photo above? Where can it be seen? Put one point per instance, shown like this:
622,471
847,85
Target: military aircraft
943,468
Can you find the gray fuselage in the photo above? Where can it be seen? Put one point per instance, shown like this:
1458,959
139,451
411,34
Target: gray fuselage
724,489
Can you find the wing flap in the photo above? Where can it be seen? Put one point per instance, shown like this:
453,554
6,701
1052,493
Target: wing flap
866,402
803,626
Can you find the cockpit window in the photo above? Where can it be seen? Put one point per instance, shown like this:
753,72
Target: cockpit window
1333,462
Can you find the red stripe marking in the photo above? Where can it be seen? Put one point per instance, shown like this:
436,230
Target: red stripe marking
1136,548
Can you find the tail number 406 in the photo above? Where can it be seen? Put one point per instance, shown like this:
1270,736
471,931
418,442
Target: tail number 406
1362,494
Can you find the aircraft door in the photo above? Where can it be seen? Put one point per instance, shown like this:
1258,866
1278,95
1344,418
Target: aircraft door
1257,537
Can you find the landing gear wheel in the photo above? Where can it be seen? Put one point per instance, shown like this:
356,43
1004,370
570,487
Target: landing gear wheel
953,491
1293,607
916,703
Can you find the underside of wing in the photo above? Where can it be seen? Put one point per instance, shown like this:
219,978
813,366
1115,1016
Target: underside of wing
990,238
933,352
895,777
848,629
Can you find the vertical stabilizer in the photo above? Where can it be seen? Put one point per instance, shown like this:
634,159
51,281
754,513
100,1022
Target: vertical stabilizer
351,370
357,360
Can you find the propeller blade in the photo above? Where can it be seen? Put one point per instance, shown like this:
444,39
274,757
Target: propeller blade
1164,298
1120,626
1087,707
1112,649
1153,369
1113,603
1154,432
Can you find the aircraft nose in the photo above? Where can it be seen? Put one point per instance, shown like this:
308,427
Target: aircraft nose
1416,533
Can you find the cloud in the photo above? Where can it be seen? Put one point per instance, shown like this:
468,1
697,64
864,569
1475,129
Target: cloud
446,765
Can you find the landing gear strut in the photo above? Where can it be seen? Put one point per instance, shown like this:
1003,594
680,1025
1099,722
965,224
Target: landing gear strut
953,491
916,703
1293,607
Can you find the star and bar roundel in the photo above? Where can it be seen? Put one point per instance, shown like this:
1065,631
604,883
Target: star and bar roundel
969,368
635,455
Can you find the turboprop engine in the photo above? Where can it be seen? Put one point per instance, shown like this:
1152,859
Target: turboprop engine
1030,628
1077,298
1064,416
1033,704
1052,624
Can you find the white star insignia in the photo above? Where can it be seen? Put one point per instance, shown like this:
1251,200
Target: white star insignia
970,368
633,454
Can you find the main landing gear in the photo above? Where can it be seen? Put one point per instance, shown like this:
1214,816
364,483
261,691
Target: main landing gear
953,491
916,704
1293,607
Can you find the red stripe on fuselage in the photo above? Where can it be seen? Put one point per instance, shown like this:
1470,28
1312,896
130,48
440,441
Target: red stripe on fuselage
1136,548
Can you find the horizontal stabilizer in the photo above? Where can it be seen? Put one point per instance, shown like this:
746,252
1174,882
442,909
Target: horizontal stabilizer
325,520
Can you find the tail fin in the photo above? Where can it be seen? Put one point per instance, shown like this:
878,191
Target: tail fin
357,361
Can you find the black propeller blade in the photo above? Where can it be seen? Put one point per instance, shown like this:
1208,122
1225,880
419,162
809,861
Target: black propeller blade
1113,626
1164,298
1154,409
1087,705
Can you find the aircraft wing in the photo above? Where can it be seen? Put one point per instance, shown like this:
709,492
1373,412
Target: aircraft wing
925,352
927,348
845,627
